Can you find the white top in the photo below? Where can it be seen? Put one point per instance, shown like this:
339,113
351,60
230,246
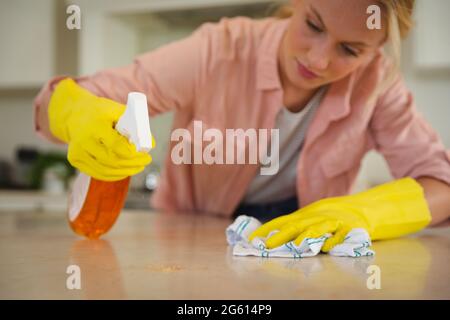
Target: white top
292,129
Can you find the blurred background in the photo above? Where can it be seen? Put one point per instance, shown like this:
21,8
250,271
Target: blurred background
35,44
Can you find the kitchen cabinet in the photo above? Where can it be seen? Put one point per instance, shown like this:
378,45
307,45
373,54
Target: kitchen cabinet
432,41
114,31
35,43
27,35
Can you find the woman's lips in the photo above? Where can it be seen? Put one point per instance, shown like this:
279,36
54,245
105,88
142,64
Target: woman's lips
305,72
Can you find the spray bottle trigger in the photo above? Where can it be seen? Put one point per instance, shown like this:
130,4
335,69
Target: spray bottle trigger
134,124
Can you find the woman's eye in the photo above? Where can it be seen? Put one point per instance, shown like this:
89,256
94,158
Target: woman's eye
349,51
313,27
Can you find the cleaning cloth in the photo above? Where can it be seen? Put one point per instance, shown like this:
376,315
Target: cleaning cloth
356,243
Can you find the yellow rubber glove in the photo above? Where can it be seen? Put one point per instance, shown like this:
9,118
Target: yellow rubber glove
387,211
86,122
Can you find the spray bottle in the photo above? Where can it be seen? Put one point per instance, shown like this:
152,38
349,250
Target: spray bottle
94,205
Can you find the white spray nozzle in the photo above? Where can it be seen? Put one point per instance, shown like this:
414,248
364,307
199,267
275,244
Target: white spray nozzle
135,124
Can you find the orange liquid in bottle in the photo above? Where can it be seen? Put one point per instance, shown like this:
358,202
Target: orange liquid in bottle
94,205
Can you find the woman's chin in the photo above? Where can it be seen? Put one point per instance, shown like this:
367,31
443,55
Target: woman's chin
307,84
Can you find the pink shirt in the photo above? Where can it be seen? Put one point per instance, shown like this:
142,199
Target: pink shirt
226,75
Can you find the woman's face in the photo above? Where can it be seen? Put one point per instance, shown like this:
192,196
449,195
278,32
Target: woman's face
326,40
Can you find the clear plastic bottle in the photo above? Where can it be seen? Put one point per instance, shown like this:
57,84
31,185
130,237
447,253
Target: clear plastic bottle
95,205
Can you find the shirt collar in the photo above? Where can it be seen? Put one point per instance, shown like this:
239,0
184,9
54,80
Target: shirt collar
267,75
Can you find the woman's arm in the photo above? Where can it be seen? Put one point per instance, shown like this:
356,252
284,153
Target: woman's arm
40,111
412,148
437,194
169,76
43,123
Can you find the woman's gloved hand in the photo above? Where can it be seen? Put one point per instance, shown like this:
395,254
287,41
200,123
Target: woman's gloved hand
387,211
86,122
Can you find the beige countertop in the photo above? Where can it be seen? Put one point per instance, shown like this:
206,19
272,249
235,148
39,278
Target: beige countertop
149,255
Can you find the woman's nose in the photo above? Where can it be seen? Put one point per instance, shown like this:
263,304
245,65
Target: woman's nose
318,57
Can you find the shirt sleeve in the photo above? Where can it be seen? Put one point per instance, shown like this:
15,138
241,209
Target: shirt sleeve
169,76
408,143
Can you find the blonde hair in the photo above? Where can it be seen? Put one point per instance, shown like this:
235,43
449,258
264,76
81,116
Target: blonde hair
399,24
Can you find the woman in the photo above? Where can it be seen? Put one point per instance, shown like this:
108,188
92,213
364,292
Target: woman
321,77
